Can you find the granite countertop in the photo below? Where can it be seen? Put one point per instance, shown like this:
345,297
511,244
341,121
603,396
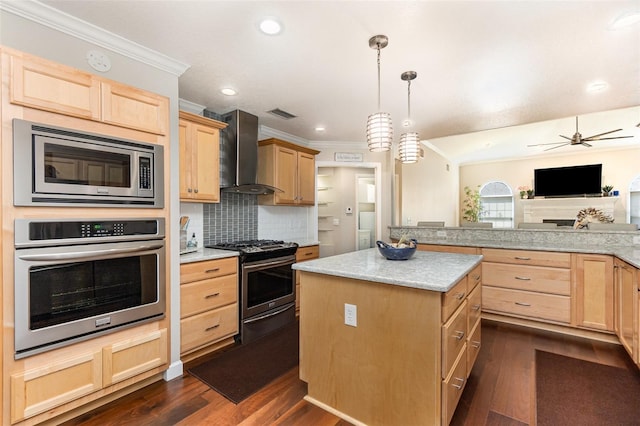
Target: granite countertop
206,254
306,243
425,270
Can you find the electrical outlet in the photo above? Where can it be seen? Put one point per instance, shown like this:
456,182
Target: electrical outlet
351,315
336,221
442,234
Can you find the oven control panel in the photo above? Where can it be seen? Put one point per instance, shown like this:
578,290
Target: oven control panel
58,230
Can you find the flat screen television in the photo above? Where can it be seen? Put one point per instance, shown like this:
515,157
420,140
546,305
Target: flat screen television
574,181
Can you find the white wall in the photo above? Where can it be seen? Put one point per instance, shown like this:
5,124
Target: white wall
430,190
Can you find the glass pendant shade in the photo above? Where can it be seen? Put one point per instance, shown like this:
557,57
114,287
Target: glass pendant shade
379,132
409,147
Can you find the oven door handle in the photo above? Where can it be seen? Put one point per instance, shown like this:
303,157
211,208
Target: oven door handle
87,254
269,315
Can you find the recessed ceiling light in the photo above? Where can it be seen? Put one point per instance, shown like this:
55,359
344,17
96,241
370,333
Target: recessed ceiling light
228,91
270,26
320,129
597,86
625,20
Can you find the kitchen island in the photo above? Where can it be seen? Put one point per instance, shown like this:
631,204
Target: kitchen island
389,342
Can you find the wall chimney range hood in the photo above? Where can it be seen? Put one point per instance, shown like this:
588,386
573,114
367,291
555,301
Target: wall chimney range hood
239,154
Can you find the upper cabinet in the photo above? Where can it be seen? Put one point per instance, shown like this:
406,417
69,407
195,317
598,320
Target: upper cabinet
45,85
288,167
199,158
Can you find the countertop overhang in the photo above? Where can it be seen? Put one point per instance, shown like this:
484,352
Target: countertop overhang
425,270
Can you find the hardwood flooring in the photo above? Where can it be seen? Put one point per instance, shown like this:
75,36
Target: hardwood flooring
499,392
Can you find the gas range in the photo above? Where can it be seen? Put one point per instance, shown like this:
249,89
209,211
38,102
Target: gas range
254,250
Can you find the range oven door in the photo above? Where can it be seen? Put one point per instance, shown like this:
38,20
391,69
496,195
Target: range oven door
267,284
68,293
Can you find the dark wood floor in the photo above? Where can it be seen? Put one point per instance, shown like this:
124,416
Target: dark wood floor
500,390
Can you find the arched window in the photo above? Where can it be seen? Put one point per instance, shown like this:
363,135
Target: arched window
634,201
496,201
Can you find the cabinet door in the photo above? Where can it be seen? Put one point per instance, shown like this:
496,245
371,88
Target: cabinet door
132,108
306,179
286,166
186,167
40,389
207,163
594,291
53,87
626,307
134,356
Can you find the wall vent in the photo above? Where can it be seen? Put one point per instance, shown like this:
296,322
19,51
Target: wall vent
282,114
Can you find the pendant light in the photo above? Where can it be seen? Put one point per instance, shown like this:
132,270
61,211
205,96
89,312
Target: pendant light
379,126
409,147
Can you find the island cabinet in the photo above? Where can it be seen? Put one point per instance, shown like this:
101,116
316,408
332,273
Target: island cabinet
59,381
594,295
290,168
199,158
449,249
626,307
529,284
382,354
304,254
208,305
49,86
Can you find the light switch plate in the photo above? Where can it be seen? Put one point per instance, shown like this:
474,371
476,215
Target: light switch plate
351,315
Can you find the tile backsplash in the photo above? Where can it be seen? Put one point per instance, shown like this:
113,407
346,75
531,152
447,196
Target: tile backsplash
234,218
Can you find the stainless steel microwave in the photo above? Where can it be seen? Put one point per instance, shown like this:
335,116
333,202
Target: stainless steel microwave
58,166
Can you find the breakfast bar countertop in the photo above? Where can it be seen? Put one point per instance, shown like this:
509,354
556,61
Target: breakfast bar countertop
425,270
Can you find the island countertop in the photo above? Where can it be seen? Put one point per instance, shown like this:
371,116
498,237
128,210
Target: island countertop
425,270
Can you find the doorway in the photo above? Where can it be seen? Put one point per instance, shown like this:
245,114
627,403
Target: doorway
348,206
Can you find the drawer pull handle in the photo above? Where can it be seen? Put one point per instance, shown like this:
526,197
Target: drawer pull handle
476,307
522,258
460,385
475,344
309,253
523,304
460,296
213,327
459,335
209,296
210,271
523,278
476,277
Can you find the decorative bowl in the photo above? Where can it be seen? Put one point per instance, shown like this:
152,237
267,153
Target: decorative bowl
392,252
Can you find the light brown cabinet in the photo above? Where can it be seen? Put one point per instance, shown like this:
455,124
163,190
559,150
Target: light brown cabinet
290,168
41,84
448,249
594,291
208,303
199,158
626,307
43,388
529,284
303,254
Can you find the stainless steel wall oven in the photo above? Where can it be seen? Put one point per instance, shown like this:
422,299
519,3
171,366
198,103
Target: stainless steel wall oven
75,279
61,166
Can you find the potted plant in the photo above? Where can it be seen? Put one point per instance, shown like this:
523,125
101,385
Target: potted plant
472,208
530,194
606,190
524,189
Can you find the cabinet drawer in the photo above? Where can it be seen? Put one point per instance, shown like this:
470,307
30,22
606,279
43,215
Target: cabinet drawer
454,336
474,307
202,329
453,298
474,343
448,249
453,386
197,271
133,356
307,253
550,307
208,294
474,278
531,278
527,257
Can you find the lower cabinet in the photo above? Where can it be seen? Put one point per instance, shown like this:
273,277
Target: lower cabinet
208,303
302,254
40,389
626,303
594,291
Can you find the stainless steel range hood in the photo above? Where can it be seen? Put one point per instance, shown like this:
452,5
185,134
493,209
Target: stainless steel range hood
239,155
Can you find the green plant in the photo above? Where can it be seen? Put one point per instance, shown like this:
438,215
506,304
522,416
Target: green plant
472,207
607,189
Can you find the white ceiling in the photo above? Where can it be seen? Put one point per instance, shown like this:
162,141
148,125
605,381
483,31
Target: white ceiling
481,65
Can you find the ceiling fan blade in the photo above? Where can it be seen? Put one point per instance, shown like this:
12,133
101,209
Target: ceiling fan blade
601,134
604,139
551,143
586,144
566,137
559,146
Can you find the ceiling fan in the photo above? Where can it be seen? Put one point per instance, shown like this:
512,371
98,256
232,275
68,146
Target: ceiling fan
577,139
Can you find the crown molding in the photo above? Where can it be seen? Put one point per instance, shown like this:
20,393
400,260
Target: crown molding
189,106
268,132
68,24
339,145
